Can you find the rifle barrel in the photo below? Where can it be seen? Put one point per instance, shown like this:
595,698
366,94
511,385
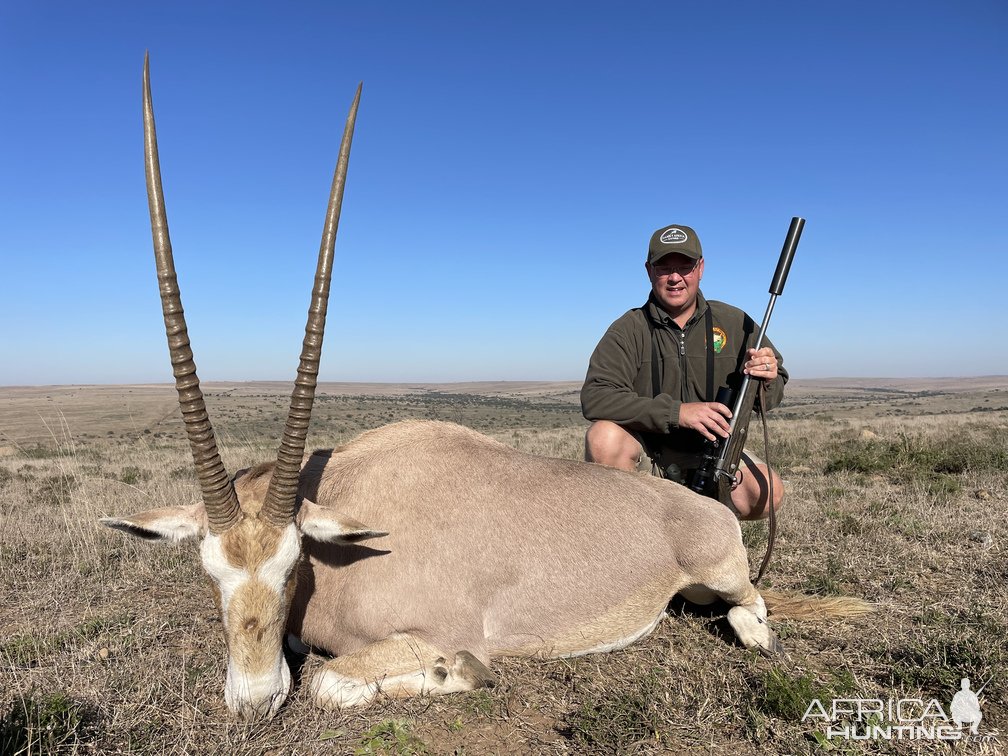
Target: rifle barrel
740,400
787,255
776,287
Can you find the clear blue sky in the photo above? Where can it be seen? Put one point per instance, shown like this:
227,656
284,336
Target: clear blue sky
510,163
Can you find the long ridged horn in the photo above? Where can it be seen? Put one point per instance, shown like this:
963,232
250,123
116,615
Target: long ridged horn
218,491
280,498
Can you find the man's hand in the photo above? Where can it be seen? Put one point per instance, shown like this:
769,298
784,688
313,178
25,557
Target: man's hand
762,364
707,418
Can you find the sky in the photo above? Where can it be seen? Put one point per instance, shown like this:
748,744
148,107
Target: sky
509,165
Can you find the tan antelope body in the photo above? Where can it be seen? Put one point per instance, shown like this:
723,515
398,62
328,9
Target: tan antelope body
420,550
471,550
527,555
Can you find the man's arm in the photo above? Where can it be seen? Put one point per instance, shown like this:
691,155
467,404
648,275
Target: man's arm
609,393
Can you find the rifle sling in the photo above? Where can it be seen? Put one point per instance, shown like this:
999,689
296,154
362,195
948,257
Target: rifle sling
772,536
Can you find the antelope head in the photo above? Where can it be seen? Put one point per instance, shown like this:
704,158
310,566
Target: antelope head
249,541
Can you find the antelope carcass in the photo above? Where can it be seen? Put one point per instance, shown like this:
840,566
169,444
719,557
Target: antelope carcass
420,550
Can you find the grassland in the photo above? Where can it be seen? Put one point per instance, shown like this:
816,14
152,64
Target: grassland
896,494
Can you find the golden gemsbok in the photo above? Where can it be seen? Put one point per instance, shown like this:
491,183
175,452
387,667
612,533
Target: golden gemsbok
473,549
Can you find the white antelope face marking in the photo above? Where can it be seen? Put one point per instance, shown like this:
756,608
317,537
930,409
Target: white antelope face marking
252,566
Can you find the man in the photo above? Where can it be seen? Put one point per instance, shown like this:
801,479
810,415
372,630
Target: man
653,377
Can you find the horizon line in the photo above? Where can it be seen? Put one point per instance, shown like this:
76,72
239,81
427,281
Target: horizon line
170,384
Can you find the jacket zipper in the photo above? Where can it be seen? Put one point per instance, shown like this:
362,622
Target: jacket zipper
682,363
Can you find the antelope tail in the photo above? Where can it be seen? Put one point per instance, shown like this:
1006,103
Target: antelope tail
802,606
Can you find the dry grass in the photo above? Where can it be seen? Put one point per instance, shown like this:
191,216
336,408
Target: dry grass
108,645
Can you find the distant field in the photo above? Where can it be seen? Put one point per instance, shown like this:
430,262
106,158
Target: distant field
42,414
46,414
897,493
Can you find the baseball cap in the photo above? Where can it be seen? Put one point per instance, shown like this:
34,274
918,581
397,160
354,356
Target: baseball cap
676,238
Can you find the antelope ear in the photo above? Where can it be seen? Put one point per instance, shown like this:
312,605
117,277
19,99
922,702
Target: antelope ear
168,524
323,524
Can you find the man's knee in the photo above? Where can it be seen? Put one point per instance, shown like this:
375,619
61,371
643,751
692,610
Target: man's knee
751,501
604,440
610,444
778,494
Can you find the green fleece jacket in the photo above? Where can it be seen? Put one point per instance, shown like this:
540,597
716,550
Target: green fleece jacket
618,384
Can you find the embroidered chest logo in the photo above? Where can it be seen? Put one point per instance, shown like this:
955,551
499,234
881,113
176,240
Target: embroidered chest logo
720,339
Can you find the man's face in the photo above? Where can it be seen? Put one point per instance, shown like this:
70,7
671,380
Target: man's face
675,280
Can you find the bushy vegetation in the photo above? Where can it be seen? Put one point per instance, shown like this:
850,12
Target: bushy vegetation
914,455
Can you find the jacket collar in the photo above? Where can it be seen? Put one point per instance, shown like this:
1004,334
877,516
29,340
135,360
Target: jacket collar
658,315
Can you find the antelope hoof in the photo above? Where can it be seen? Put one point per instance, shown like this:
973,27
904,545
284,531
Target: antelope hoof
471,669
776,647
754,632
331,690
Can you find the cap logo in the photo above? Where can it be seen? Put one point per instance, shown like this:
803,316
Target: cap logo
673,236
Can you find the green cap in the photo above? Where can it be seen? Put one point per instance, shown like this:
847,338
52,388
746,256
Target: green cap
677,239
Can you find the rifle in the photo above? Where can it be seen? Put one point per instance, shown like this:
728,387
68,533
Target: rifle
717,474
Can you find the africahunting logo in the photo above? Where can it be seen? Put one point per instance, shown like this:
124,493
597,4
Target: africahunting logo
720,339
900,718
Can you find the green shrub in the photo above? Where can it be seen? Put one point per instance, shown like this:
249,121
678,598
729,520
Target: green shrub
40,724
787,697
393,736
132,475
